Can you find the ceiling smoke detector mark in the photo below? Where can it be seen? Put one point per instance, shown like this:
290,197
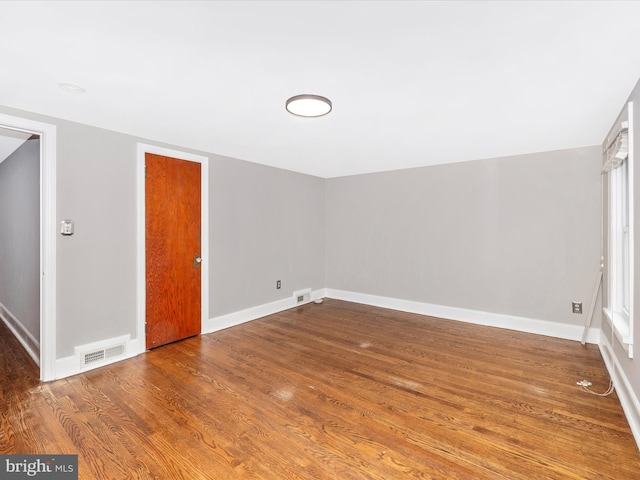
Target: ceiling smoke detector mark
72,88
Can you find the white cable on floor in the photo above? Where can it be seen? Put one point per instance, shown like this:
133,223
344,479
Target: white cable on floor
585,384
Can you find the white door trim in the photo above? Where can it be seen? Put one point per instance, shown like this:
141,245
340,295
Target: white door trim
48,237
204,222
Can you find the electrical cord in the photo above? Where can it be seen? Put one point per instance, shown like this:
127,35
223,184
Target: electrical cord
585,384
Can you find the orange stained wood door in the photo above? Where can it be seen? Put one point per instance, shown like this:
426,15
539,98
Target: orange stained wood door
172,244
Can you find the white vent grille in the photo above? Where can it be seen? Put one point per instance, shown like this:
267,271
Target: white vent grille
114,351
302,296
101,353
93,357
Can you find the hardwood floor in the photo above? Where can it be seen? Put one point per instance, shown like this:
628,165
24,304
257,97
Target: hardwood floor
331,391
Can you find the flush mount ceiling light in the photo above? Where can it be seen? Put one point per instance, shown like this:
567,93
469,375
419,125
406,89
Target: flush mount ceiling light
309,105
72,87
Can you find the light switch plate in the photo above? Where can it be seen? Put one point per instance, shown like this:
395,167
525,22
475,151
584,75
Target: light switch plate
66,227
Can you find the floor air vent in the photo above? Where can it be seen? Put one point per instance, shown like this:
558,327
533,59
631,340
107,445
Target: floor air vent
93,357
302,296
102,354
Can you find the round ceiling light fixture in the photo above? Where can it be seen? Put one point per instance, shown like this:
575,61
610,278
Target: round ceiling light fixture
308,105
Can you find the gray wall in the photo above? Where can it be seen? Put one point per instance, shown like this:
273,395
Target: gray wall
267,224
516,235
263,221
20,235
96,267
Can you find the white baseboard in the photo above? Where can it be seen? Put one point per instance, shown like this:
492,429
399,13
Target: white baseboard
72,365
67,366
236,318
26,339
628,399
511,322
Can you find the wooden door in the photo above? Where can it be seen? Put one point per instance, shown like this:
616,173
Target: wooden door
172,245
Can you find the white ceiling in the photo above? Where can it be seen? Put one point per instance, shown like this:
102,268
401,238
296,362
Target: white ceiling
412,83
10,140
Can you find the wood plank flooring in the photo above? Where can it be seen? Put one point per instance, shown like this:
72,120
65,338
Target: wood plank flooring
332,391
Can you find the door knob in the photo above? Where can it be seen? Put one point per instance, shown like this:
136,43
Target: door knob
197,260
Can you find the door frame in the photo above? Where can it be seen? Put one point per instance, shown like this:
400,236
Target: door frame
144,148
48,237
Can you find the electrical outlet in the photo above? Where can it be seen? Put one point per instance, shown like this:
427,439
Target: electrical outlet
278,285
576,307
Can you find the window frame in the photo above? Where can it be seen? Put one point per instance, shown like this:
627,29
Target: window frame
620,252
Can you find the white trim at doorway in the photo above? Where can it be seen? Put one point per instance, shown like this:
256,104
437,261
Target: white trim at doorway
139,344
48,237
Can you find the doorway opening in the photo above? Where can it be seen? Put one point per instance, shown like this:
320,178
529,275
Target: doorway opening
34,325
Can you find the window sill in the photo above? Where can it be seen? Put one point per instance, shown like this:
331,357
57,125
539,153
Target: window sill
621,330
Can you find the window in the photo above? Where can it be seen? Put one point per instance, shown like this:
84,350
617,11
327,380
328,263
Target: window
619,306
619,242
